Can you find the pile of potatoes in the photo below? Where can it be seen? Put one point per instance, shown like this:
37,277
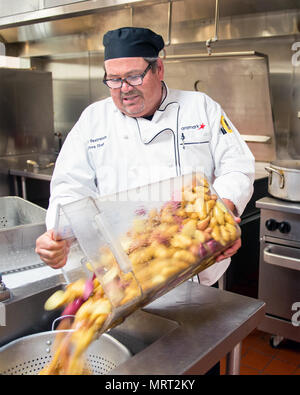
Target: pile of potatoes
183,236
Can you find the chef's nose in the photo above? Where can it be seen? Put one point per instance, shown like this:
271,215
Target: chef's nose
126,87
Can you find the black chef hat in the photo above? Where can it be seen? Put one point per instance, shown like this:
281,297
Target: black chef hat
131,42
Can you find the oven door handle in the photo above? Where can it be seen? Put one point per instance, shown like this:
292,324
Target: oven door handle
280,260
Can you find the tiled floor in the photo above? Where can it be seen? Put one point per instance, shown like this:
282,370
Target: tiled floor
259,358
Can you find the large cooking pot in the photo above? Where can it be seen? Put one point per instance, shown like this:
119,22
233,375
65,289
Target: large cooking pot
284,179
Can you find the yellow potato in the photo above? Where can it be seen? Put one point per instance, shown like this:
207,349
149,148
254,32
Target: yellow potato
162,251
229,219
157,280
219,215
181,241
100,307
225,233
56,300
213,222
189,196
203,224
232,230
200,208
210,205
216,233
138,225
185,256
221,206
189,228
200,191
200,236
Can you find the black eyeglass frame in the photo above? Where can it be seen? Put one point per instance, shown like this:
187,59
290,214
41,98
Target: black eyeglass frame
122,80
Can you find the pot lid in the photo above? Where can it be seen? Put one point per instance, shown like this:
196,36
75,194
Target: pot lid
291,164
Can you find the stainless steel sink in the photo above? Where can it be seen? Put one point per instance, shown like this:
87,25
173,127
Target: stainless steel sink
25,315
141,329
185,331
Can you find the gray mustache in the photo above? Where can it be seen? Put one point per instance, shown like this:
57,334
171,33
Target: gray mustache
132,93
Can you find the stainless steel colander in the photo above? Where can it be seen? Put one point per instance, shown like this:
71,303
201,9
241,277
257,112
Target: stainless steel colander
30,354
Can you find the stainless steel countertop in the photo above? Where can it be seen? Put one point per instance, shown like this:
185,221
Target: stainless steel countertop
17,166
211,323
208,324
278,205
44,174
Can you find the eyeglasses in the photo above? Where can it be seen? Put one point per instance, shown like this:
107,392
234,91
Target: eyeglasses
132,80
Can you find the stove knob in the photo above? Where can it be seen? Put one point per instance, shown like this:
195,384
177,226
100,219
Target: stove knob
271,224
284,227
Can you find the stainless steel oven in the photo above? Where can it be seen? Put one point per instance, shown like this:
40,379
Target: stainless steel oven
279,268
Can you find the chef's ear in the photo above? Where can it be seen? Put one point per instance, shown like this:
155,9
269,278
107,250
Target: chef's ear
160,69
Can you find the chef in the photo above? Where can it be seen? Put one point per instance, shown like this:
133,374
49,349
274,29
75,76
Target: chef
145,132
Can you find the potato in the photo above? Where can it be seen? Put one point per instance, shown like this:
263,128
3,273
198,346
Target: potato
189,228
56,300
225,233
221,206
232,230
216,234
185,256
200,236
210,205
219,215
181,241
200,208
189,196
229,219
213,222
203,224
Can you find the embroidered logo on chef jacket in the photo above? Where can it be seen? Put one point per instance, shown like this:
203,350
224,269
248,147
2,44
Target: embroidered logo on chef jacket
97,142
225,128
189,135
193,127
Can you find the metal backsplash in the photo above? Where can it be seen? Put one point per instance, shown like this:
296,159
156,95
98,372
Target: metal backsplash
77,82
72,50
26,112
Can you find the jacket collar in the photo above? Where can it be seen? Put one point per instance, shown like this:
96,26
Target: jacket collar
164,119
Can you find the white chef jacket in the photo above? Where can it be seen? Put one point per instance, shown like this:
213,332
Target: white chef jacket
107,152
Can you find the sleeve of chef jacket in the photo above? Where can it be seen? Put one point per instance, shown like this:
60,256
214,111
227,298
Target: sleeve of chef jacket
73,177
234,172
234,162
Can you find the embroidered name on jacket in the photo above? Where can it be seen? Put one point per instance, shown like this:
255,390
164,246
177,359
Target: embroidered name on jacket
97,142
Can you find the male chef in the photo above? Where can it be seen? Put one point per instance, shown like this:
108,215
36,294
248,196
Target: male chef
145,132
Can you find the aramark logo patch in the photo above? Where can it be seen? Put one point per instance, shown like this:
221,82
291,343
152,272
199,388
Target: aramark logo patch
194,127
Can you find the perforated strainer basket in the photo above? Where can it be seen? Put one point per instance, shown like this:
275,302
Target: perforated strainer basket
30,354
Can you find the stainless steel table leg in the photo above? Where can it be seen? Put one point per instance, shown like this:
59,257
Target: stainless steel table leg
16,187
233,360
23,182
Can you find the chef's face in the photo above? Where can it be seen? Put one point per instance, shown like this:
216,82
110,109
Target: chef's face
141,100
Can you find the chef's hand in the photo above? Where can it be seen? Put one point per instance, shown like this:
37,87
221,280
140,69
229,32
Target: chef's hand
53,252
237,244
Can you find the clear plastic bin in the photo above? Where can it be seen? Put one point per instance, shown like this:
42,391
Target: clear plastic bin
143,242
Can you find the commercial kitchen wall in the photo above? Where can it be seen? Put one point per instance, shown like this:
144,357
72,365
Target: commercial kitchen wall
72,50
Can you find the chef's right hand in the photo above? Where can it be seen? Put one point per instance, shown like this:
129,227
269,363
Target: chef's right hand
53,252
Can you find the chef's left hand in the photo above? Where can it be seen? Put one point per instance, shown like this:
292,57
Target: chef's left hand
237,244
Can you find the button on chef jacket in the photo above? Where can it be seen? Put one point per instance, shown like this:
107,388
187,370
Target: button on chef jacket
108,152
